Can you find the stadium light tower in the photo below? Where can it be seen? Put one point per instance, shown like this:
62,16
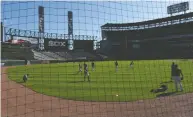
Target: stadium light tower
5,23
70,30
41,27
2,35
70,23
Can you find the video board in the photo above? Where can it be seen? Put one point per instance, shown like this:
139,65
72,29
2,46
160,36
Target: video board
86,45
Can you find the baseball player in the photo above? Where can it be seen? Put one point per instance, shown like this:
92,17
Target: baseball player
177,78
131,64
93,66
116,65
172,71
86,73
80,67
25,77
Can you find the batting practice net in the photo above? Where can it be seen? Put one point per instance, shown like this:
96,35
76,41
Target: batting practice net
97,58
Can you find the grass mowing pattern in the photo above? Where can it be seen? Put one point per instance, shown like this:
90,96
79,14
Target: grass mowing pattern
62,80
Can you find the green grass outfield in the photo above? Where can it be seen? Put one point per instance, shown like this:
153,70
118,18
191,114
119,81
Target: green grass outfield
62,80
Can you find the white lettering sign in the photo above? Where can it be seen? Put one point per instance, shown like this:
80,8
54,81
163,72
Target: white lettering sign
56,43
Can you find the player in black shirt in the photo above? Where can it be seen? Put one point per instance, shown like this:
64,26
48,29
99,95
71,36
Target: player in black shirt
116,65
131,64
25,77
172,71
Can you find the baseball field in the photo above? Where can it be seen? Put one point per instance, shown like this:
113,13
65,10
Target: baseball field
127,84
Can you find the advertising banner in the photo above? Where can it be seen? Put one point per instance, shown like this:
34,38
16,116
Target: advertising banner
55,44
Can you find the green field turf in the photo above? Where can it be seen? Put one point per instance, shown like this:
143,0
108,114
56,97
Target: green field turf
62,80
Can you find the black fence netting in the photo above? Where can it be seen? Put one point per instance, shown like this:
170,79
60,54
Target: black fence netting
97,58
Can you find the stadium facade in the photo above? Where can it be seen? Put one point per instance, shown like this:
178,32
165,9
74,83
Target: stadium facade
165,38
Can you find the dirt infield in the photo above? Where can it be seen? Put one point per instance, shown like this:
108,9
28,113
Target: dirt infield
18,101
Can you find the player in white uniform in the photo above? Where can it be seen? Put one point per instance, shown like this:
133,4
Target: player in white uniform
93,66
177,78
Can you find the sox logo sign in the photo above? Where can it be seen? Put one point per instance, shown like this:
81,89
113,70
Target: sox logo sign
56,43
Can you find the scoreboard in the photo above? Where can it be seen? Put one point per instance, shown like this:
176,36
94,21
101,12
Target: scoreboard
176,8
86,45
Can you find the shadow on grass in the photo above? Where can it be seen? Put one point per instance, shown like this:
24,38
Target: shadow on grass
80,81
20,82
166,94
76,73
74,81
166,82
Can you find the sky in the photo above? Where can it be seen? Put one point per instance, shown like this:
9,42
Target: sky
88,16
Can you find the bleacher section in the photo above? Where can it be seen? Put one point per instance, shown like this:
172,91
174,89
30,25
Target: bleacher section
41,56
65,55
53,55
11,51
70,55
17,52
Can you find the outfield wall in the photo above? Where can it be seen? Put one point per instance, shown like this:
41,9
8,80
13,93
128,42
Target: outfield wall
18,62
22,62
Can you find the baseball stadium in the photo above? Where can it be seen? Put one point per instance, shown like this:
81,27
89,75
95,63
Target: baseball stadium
97,58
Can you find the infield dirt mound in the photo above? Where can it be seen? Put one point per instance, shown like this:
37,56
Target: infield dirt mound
19,101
